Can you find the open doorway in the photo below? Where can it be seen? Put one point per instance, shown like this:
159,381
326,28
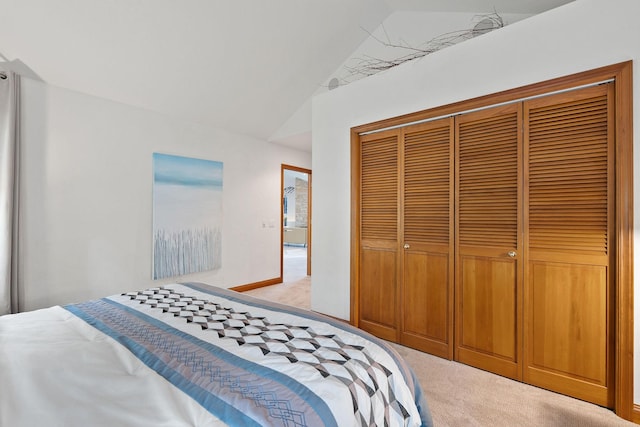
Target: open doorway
295,255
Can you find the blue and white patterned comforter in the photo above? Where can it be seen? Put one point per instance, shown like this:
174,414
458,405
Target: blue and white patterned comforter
236,359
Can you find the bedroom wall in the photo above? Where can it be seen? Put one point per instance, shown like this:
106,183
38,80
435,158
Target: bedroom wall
86,207
415,29
579,36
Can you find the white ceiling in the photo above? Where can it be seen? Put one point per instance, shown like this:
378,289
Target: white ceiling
241,65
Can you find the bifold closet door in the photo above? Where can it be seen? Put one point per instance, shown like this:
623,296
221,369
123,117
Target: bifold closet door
379,234
427,236
488,288
490,238
569,296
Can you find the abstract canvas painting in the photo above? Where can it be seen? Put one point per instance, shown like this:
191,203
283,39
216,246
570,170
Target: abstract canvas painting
187,215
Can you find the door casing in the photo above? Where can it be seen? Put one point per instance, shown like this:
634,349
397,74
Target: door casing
308,172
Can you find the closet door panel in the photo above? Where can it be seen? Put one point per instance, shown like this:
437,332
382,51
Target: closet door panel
426,279
569,206
488,243
568,307
490,306
378,292
379,234
427,226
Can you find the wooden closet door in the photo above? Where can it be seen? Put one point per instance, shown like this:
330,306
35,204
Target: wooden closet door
379,234
569,307
488,240
427,225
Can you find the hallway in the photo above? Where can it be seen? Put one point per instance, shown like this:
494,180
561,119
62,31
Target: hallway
294,263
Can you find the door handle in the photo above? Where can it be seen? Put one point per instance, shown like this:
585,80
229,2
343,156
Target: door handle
512,254
406,246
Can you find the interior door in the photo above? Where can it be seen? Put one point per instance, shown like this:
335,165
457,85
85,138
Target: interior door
427,227
379,231
488,243
569,306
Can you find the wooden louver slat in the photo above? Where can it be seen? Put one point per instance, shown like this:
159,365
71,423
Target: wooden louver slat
426,188
568,169
379,192
488,180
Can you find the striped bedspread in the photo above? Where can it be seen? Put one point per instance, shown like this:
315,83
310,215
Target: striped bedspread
248,362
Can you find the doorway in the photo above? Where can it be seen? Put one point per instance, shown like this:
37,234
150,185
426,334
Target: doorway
295,255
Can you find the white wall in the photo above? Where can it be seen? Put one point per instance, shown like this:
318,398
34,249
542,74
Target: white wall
579,36
405,28
415,29
86,218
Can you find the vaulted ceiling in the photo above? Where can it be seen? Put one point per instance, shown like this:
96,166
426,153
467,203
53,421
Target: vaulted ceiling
241,65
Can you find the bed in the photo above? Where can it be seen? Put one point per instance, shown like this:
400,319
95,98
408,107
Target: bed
190,354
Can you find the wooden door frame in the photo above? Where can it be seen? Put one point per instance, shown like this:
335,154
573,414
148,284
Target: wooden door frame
621,75
284,167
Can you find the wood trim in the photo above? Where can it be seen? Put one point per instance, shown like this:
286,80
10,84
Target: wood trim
621,73
256,285
624,232
337,319
355,228
510,95
309,220
635,416
284,167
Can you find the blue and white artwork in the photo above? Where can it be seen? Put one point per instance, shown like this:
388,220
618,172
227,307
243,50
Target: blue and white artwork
187,215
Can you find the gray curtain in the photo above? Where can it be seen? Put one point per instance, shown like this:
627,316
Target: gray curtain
9,151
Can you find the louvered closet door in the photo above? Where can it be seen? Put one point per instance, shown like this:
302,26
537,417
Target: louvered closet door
427,256
488,243
569,293
379,205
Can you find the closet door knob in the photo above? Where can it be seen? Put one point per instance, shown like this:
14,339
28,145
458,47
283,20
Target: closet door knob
512,254
406,246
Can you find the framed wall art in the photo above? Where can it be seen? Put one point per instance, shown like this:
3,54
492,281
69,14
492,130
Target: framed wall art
187,215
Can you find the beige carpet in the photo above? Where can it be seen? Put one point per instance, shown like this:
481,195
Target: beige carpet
297,294
462,396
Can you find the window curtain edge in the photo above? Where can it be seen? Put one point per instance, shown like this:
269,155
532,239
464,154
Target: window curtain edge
9,192
15,232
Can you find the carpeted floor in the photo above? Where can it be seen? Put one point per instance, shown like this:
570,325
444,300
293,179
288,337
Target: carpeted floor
462,396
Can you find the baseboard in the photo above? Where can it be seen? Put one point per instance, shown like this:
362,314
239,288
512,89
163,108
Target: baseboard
635,414
333,317
256,285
